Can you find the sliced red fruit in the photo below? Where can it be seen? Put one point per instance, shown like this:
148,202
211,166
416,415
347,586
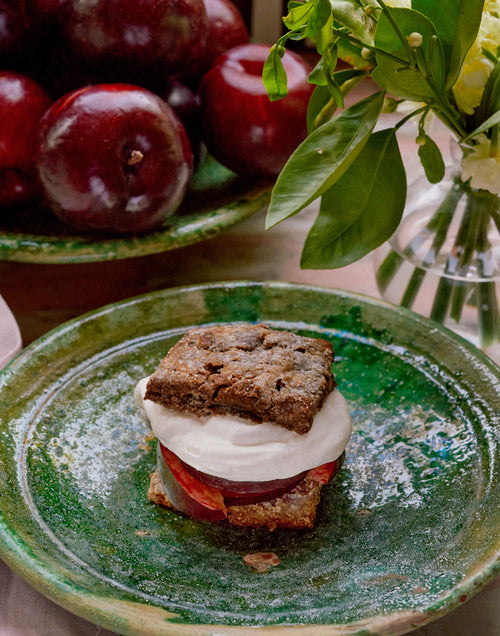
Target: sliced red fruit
245,492
205,496
180,498
208,496
325,473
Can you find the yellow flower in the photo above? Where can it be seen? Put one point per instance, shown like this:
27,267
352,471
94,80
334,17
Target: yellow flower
469,87
476,68
492,6
488,36
482,170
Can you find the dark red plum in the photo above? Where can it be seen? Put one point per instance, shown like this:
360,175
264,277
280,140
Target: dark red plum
46,11
134,37
16,26
241,127
22,104
113,158
226,29
186,105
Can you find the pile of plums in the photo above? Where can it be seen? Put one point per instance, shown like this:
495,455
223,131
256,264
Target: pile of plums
104,105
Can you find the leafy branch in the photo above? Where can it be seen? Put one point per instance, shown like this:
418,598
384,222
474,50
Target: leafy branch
411,56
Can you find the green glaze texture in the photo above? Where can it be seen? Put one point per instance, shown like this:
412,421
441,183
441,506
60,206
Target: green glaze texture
407,531
217,200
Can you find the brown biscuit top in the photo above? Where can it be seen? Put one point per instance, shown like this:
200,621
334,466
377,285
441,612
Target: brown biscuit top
252,371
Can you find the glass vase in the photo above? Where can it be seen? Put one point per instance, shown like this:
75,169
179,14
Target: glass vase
444,259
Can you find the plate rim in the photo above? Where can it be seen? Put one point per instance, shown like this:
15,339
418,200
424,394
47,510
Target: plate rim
152,620
53,249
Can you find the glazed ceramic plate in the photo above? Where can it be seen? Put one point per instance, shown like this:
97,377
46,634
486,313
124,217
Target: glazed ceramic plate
216,201
409,530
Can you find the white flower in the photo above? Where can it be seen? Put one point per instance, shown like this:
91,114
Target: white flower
482,170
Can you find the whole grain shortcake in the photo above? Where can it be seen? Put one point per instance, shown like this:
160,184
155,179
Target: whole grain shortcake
250,425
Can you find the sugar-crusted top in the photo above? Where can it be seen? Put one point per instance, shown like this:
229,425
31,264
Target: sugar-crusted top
249,370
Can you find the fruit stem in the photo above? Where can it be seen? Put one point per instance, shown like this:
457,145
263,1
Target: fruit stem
135,157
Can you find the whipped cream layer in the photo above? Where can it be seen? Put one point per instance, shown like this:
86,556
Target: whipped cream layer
240,450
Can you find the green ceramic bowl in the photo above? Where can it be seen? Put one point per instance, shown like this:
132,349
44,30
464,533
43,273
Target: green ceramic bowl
216,201
408,531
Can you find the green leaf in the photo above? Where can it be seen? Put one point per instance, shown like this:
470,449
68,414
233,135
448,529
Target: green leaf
310,16
351,54
322,158
490,100
324,36
398,78
354,220
296,35
317,75
431,159
457,23
322,106
489,123
274,74
298,14
350,14
319,19
330,58
349,78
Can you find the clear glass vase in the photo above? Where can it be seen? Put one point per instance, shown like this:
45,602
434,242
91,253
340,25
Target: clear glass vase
444,260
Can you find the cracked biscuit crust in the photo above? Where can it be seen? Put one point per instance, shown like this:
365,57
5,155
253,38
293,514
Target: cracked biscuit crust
252,371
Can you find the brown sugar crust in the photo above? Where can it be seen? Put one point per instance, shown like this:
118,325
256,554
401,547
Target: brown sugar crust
252,371
295,509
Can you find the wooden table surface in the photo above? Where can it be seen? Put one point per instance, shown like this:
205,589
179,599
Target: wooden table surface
44,296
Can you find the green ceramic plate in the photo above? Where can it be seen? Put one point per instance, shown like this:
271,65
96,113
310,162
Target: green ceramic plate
408,531
216,201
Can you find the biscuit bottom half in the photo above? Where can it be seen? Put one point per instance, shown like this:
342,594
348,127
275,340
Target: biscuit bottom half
295,509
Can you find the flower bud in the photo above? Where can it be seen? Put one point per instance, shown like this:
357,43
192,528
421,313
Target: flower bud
415,40
366,54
